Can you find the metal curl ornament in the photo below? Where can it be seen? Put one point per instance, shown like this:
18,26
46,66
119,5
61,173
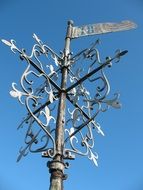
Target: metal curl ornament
83,115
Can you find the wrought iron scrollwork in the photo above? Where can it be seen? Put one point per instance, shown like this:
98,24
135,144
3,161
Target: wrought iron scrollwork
86,73
37,98
88,105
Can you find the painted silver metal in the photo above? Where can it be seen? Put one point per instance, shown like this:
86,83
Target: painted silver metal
101,28
62,111
38,101
32,97
76,91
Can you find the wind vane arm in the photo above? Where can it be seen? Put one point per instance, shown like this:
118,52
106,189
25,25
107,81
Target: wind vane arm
101,28
106,63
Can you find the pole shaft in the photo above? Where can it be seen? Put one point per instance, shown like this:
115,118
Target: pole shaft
57,168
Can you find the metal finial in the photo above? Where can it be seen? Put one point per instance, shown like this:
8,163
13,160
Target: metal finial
70,22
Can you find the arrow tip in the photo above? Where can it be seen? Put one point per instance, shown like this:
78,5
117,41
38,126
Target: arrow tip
123,53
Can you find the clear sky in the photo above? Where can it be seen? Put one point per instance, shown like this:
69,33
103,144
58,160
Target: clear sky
120,151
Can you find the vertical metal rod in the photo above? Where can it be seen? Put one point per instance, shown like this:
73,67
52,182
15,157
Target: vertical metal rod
56,167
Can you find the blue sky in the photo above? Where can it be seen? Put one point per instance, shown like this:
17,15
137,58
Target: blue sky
120,151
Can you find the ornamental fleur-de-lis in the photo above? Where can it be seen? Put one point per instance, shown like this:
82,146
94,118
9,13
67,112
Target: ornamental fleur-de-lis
36,38
51,95
93,157
52,72
11,45
16,93
114,102
71,131
6,42
47,115
55,59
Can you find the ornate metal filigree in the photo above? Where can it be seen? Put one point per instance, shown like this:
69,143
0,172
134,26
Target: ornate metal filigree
87,94
37,100
88,105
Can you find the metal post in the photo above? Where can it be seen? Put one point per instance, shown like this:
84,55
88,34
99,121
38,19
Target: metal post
56,167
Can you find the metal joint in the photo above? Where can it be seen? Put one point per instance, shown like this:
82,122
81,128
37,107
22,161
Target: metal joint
64,67
56,168
56,165
58,174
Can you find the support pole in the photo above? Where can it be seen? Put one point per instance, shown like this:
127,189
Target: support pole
56,166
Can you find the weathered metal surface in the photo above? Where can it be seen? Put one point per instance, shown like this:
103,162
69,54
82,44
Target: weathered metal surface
61,141
56,181
54,165
57,164
101,28
55,140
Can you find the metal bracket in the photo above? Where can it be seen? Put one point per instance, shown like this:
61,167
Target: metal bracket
66,156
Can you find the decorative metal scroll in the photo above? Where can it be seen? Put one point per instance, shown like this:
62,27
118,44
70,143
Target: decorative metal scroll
39,101
39,91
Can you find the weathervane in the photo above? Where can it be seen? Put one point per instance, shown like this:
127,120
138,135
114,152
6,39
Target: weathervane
61,120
